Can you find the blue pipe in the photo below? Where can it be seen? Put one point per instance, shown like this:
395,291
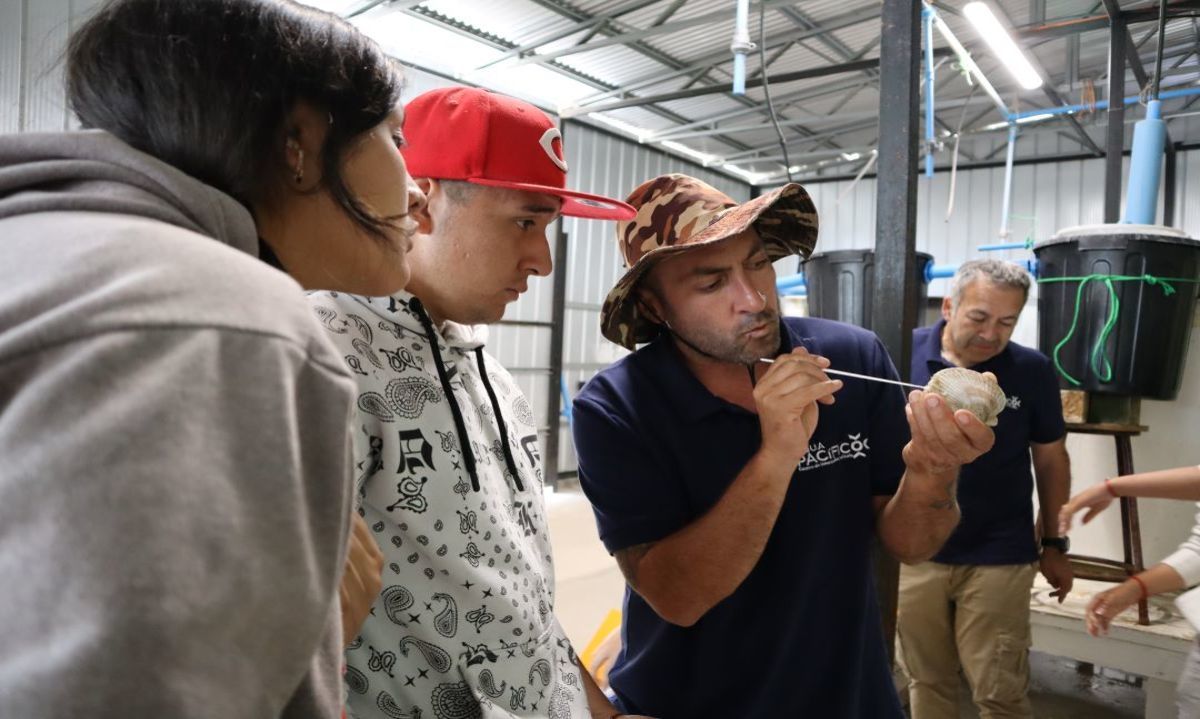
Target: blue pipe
790,281
1145,164
927,19
741,45
739,73
567,411
793,284
934,272
1101,105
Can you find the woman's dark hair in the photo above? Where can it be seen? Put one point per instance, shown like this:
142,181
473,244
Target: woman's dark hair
206,86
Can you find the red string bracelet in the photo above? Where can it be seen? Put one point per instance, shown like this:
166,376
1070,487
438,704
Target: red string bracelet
1140,583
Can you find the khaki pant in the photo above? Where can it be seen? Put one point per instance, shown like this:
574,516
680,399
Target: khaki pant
974,617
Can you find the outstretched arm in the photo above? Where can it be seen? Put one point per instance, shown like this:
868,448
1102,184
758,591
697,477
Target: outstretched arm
1178,483
1108,604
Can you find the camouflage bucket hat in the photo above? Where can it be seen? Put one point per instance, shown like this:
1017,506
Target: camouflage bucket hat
676,213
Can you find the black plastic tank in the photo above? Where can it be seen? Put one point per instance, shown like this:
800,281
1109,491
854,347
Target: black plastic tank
840,284
1115,307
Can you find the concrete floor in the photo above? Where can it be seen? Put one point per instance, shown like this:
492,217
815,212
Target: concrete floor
587,582
589,585
1059,690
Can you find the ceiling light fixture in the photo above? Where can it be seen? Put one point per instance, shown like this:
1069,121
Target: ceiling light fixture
754,178
702,157
640,134
1000,41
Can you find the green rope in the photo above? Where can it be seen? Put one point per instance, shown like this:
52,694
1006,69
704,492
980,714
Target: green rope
1099,363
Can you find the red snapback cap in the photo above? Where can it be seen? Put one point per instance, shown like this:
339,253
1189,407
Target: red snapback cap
478,136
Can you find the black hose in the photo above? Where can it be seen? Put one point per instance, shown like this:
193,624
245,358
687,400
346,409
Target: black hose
762,63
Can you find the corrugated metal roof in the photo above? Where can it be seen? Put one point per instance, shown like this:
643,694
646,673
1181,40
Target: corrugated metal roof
634,47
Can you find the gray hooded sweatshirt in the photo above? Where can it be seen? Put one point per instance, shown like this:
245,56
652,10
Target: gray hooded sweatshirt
174,455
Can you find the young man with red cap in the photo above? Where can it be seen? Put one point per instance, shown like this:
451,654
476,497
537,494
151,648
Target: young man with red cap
446,445
739,496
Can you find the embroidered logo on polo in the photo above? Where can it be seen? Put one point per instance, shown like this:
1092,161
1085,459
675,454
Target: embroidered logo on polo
1013,402
820,455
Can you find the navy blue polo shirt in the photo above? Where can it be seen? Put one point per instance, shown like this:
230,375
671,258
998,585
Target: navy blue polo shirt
995,492
801,636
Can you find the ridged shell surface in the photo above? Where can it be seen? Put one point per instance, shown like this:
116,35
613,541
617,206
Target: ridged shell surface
969,390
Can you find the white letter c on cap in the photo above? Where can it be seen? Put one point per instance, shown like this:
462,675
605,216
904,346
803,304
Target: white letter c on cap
547,143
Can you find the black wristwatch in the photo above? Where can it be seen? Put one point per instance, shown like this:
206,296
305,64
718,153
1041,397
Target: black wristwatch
1062,544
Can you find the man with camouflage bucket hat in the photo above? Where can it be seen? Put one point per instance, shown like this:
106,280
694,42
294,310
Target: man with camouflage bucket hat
740,497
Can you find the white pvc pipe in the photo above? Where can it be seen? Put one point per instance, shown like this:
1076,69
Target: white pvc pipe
953,178
1008,179
740,46
865,169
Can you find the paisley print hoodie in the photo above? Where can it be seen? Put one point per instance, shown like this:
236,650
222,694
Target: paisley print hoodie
449,476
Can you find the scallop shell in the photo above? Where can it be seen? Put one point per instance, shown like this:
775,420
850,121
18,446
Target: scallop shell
969,390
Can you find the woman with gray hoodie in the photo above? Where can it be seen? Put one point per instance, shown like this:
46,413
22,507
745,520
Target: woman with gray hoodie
175,497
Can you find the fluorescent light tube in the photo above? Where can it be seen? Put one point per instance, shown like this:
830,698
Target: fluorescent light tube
753,178
1001,43
703,158
621,125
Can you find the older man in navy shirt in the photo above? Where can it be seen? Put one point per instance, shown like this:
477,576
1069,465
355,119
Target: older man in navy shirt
740,498
969,607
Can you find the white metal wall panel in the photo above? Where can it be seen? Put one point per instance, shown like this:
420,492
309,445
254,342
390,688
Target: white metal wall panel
1188,193
611,166
33,36
12,66
46,28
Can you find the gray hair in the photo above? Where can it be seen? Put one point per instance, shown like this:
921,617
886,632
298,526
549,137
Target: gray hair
998,272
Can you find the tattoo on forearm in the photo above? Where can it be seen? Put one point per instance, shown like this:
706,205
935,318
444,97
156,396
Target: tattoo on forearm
629,558
949,502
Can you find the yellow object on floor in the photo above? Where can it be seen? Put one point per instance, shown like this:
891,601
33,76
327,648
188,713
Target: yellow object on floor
603,648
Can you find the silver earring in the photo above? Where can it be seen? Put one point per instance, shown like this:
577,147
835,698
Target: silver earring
299,173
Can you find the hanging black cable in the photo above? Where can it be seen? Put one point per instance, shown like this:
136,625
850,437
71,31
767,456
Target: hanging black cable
762,68
1162,40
